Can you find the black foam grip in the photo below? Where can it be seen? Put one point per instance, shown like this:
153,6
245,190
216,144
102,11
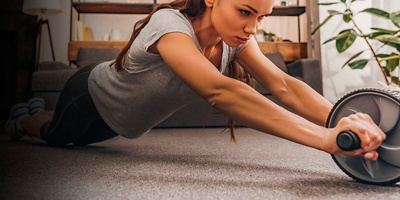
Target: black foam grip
348,141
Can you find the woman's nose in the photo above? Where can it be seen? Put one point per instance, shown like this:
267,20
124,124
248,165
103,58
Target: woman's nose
251,28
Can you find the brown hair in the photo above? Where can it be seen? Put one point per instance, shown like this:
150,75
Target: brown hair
192,8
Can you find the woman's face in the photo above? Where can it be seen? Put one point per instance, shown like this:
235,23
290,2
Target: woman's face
236,21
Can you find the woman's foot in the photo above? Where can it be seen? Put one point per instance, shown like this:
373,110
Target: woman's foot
36,105
13,128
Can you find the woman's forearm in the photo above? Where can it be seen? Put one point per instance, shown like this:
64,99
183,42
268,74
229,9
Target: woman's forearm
246,106
305,101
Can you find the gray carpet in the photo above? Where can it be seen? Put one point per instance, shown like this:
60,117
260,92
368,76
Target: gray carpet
178,164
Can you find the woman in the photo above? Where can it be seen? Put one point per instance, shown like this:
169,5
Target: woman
178,55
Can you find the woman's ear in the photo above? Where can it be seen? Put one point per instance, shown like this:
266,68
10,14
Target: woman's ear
209,3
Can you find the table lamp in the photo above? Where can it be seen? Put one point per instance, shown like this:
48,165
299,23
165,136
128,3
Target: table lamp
42,8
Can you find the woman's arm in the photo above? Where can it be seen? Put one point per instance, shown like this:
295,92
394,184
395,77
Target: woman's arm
235,98
291,92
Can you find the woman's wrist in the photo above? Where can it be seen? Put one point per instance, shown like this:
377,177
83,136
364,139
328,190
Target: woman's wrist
329,141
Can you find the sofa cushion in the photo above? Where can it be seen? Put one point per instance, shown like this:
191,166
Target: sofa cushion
277,59
50,80
88,56
52,65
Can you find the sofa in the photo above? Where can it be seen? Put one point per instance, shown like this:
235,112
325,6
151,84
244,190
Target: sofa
48,81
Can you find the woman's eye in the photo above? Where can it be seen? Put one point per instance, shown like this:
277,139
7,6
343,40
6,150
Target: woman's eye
245,12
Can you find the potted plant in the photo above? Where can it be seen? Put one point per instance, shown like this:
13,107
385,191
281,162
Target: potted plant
269,36
387,61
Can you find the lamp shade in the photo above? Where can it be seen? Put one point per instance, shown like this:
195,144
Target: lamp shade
41,7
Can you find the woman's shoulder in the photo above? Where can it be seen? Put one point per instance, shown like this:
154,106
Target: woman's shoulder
168,14
167,20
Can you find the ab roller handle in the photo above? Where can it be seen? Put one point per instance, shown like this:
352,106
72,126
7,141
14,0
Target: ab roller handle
348,141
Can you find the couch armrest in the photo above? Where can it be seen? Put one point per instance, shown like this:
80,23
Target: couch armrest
53,66
309,70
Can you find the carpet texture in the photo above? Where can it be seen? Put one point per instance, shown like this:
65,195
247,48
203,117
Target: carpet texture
178,164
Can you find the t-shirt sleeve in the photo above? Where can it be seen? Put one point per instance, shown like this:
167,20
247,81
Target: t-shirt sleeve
165,21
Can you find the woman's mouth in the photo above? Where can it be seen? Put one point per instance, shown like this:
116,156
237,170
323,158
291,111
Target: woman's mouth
242,40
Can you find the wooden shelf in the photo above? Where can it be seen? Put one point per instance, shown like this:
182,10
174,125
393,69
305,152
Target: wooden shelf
113,8
288,11
290,51
135,8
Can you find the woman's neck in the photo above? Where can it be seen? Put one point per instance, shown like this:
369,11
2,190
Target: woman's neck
206,35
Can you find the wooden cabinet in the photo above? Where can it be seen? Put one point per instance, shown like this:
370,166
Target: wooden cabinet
112,8
291,51
140,8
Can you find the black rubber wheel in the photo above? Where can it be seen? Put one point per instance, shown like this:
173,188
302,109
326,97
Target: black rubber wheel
383,105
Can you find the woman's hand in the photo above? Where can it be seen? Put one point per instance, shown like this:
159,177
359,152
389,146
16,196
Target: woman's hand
370,134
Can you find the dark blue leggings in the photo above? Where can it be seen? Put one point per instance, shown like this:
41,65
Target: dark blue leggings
76,119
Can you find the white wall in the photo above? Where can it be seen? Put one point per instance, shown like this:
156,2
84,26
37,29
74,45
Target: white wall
59,25
337,81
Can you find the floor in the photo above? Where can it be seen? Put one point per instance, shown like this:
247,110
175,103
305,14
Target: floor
178,164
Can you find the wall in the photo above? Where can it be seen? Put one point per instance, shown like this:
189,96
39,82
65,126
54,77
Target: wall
59,26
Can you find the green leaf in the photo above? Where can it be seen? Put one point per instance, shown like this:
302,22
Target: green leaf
382,55
359,64
395,80
395,17
380,31
387,72
343,1
329,40
345,42
335,12
375,34
391,32
377,12
320,25
392,62
398,47
352,58
388,38
347,16
327,4
389,44
341,35
386,57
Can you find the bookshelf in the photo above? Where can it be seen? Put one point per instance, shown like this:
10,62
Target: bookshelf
290,51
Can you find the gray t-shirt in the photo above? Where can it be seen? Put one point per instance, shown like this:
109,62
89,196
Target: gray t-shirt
134,100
